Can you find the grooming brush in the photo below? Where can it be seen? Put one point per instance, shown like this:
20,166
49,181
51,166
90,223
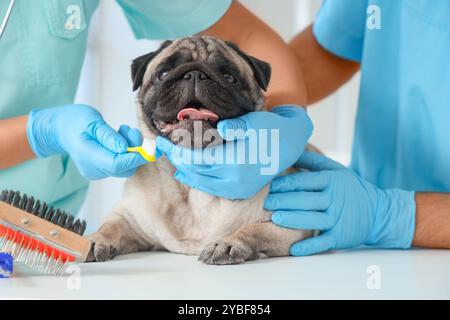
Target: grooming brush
42,237
147,150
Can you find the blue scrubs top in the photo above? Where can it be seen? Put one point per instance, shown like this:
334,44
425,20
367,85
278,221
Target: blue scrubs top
41,55
402,135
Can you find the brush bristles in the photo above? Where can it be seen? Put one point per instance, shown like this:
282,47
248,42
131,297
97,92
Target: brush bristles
34,253
44,211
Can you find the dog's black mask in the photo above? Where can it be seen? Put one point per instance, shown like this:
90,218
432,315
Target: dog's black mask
197,80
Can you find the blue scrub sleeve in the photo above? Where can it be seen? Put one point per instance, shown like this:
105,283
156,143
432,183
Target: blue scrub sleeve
170,19
339,27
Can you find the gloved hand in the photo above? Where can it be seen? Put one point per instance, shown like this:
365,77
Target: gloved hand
236,180
97,150
348,210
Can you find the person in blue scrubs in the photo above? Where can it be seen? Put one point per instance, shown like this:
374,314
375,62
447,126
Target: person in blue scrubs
396,192
50,147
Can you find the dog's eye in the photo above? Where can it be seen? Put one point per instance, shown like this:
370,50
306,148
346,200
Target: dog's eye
230,78
162,75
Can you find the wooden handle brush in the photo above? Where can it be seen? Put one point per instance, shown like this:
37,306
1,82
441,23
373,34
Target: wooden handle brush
40,236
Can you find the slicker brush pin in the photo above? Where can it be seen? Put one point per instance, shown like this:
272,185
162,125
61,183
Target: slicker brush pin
42,237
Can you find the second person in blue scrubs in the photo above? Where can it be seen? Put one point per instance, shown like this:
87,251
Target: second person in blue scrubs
396,194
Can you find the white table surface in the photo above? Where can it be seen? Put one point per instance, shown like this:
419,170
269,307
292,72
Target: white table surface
421,274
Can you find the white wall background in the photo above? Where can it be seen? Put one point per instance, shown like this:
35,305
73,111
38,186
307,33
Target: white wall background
106,84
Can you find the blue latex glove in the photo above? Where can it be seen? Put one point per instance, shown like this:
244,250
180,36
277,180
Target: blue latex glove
348,210
97,150
237,180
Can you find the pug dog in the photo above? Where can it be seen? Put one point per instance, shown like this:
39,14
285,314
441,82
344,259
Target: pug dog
194,80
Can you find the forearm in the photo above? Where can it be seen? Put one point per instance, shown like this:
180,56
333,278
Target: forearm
432,221
14,147
253,36
323,72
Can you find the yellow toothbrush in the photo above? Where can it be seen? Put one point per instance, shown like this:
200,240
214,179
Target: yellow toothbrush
147,150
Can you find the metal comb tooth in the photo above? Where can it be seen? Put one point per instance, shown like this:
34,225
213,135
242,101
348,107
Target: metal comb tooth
23,202
10,196
69,222
79,227
75,226
43,211
65,219
83,228
56,216
49,214
16,199
62,219
36,208
3,195
30,205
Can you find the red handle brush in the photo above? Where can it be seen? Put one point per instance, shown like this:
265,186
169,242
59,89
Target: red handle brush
44,238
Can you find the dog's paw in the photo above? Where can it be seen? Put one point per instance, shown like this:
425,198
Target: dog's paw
101,249
227,252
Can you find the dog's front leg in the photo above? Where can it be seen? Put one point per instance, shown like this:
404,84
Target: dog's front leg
115,237
252,242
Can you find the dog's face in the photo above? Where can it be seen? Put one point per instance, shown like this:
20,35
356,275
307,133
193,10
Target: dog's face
197,81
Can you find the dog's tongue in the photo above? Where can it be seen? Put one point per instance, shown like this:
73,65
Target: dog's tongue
197,114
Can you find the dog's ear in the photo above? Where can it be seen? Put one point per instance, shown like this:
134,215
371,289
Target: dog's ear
261,69
139,65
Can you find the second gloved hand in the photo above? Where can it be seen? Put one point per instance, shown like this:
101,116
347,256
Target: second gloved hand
243,180
79,130
348,210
